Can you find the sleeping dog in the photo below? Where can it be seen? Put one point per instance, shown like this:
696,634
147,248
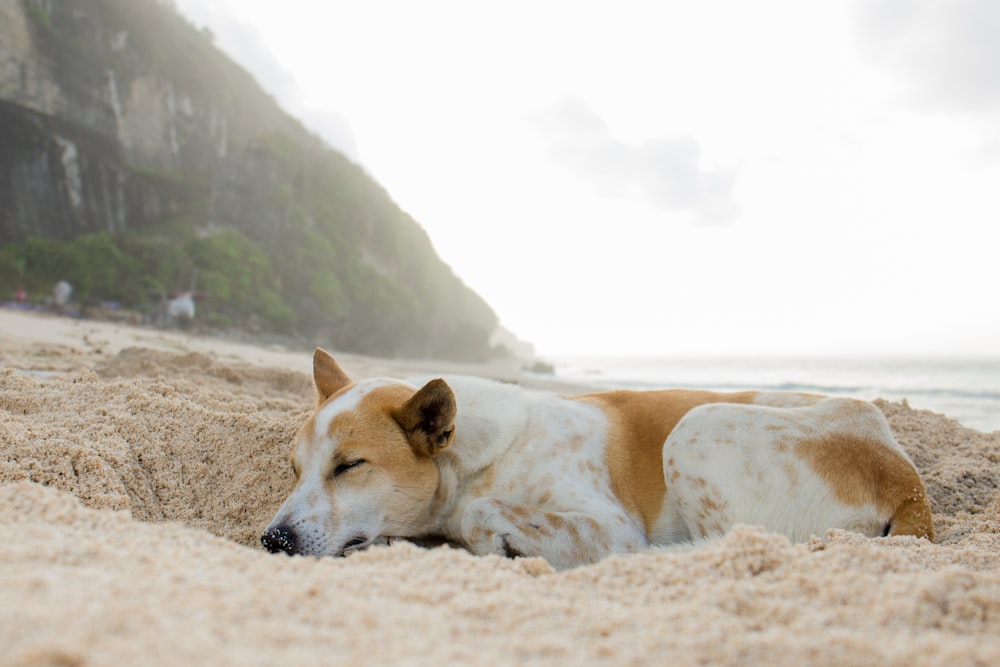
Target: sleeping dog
500,469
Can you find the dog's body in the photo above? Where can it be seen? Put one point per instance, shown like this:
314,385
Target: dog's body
500,469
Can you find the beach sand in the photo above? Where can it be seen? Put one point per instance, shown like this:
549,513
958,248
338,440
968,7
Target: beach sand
139,467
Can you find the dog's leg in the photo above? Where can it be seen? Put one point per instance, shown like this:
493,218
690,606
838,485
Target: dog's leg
564,539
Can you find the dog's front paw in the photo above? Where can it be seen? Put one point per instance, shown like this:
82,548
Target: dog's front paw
509,550
488,529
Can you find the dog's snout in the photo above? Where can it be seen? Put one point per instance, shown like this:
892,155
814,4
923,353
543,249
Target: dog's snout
280,538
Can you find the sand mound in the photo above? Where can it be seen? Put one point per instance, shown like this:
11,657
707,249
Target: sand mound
133,490
157,447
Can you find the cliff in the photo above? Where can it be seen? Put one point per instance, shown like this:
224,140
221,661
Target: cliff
136,159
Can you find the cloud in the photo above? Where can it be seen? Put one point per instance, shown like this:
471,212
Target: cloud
948,52
664,172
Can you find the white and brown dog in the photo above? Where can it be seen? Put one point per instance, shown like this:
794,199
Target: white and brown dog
504,470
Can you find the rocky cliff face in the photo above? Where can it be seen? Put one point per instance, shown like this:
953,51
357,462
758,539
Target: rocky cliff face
98,133
117,116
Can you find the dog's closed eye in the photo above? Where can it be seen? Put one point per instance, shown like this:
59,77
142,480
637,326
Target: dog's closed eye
344,467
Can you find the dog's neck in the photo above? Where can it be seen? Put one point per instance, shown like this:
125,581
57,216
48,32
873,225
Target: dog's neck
491,416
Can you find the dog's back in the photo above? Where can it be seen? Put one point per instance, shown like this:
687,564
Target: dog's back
691,464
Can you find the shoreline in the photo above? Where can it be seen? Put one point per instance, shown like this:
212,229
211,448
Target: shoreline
47,342
86,343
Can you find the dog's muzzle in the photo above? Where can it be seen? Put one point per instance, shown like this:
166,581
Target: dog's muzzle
280,538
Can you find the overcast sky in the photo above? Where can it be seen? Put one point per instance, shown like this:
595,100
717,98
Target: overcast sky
672,178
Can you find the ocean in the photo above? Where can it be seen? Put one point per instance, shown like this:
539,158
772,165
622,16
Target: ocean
967,390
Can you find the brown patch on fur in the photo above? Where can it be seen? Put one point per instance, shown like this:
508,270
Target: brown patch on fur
328,375
484,480
593,545
863,471
710,504
791,473
542,529
575,443
371,433
515,513
639,423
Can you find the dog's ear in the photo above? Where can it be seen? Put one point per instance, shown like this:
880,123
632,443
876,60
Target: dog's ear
428,419
328,375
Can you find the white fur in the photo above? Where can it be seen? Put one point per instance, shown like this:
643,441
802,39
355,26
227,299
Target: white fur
527,473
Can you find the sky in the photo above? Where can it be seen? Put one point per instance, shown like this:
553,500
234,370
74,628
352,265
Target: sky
672,178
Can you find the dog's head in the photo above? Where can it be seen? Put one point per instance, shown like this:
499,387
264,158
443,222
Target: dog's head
363,462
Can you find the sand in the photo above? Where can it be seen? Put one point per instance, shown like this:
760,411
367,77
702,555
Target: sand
139,467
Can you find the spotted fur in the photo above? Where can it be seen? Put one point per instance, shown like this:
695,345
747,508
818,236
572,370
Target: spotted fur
503,470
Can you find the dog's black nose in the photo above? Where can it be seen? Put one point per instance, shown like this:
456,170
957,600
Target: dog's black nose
280,538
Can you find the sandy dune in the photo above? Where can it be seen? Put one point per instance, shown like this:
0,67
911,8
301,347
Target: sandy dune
139,467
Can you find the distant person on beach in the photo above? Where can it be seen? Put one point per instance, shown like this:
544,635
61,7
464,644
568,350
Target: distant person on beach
181,308
61,294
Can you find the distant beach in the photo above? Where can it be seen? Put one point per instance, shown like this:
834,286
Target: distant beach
967,390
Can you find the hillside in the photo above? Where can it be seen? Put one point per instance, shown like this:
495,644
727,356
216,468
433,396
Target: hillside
137,160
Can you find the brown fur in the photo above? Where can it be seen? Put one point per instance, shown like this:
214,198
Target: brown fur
372,433
861,471
428,418
328,375
640,424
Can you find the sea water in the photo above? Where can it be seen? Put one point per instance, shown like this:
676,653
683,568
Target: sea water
967,390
